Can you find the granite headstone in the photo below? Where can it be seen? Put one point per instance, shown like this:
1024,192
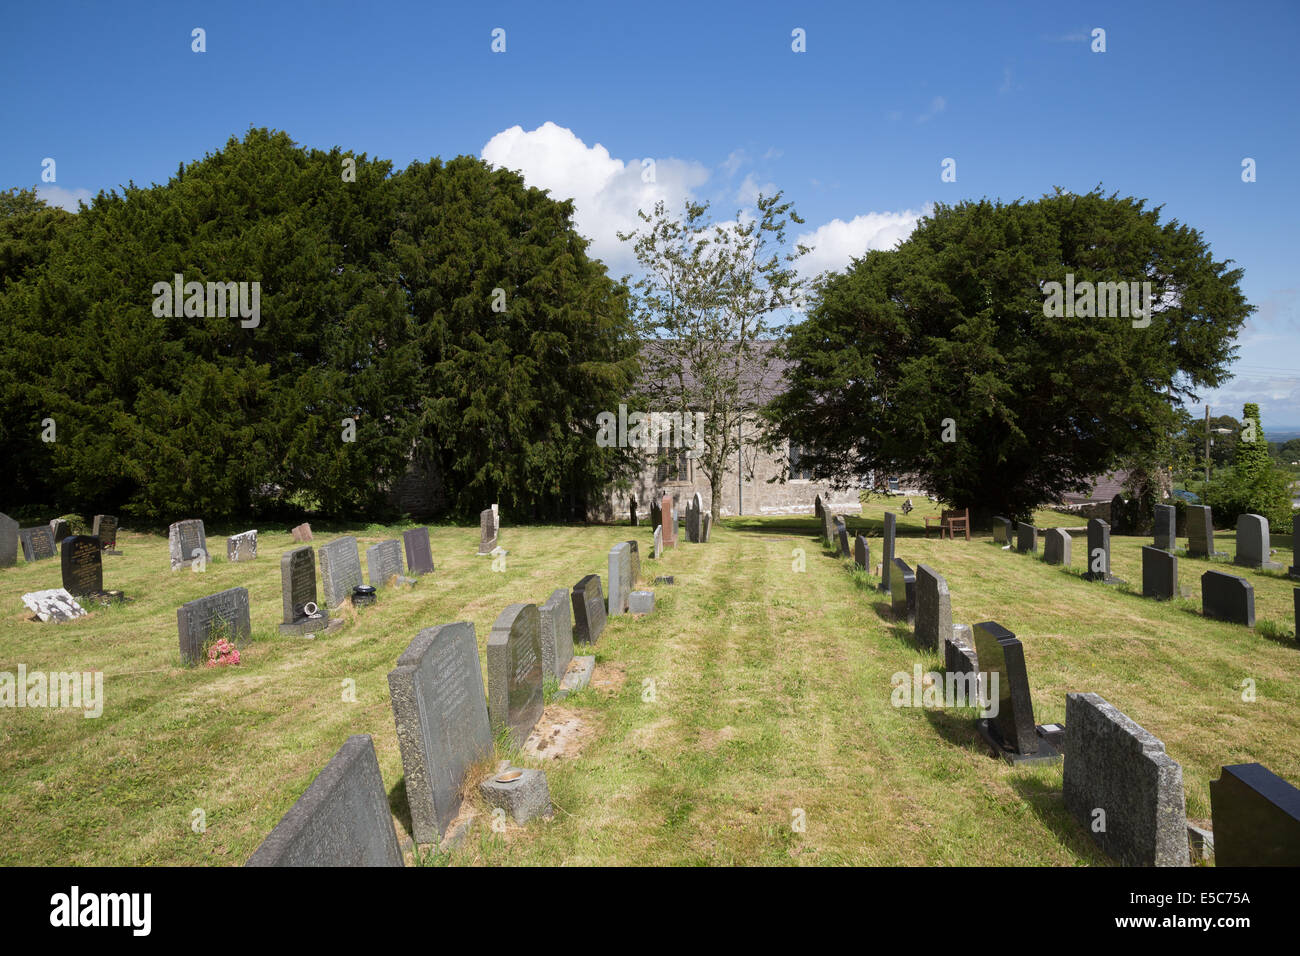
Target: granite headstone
224,614
186,542
588,610
1159,574
83,565
1227,597
556,633
933,609
514,663
340,569
419,555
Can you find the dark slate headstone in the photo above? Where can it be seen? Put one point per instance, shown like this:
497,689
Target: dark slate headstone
384,562
634,565
1119,522
818,506
902,591
1166,528
83,565
489,525
340,569
242,547
38,543
55,605
1228,598
442,723
8,541
1000,652
656,514
842,536
105,529
1159,574
186,541
620,578
1295,594
419,555
302,533
959,651
1056,546
828,526
302,614
1200,532
341,820
588,609
1294,570
1253,543
1114,766
1256,817
1002,530
631,508
1026,538
1098,550
669,522
933,609
887,552
224,614
59,530
862,552
557,633
694,519
514,662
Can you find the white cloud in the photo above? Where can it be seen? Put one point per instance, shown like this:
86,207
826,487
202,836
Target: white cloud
748,193
836,243
607,192
64,198
937,106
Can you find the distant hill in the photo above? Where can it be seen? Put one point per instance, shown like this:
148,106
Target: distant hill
1281,434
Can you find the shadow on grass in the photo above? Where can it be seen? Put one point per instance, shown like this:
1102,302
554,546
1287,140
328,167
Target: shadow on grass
401,807
1043,797
958,729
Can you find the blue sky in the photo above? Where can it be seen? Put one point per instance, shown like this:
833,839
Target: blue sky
854,129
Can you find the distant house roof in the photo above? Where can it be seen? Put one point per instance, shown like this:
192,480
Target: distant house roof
1103,489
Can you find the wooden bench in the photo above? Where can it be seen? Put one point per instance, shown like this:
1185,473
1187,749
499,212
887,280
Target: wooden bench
949,522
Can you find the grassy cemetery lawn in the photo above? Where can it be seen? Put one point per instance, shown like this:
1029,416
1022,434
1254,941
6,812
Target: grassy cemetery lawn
747,721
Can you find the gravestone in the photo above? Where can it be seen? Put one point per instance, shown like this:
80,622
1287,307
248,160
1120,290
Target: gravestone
620,578
631,507
959,655
1098,551
514,662
818,506
694,509
302,615
186,541
302,533
489,524
828,526
55,604
1159,574
341,820
384,562
419,556
1056,546
8,541
442,723
83,565
556,633
1227,597
1253,543
659,542
862,552
105,529
1200,533
340,569
224,614
902,591
59,530
588,610
1293,571
656,514
706,529
933,609
38,543
1026,538
1002,530
1166,528
634,552
1012,733
641,602
669,523
1256,816
242,547
887,552
842,536
1115,766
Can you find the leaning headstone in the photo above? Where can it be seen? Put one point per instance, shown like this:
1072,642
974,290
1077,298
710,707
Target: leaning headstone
556,633
1026,538
1228,598
588,610
186,541
1002,530
105,529
198,622
1121,785
1159,574
1056,546
669,523
1012,733
902,591
83,565
862,552
842,536
514,664
341,820
242,547
887,552
933,609
59,530
55,604
620,578
1253,543
1200,533
1098,551
38,543
302,615
384,562
8,541
489,524
302,533
659,541
959,651
1166,528
340,569
1256,817
419,556
442,723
